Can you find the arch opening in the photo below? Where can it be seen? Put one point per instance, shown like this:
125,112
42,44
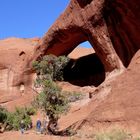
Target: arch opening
21,53
84,3
86,44
85,67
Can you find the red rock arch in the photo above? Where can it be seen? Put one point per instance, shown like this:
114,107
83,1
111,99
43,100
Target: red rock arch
113,27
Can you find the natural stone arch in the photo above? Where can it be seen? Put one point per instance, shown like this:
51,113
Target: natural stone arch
63,41
91,21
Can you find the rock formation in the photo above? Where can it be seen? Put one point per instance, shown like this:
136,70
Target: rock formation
113,105
121,106
112,28
15,76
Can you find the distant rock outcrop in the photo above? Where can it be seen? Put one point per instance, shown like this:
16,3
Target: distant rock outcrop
112,27
15,75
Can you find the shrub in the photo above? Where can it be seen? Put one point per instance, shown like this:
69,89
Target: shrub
52,66
51,99
13,119
3,114
30,110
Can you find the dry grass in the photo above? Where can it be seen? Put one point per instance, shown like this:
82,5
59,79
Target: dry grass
112,134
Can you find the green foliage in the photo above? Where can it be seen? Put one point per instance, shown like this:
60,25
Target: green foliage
52,66
30,110
13,119
51,99
113,135
39,101
3,114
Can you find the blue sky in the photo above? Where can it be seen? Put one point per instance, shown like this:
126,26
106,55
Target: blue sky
29,18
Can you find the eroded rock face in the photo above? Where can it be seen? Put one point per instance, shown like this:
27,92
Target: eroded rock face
112,27
15,75
113,105
121,106
123,22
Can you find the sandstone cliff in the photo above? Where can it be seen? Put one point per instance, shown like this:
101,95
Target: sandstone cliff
15,76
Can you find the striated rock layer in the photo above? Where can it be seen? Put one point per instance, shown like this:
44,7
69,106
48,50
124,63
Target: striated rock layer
112,27
15,76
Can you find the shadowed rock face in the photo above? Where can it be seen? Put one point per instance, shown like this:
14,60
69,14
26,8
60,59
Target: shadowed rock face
123,22
112,27
85,71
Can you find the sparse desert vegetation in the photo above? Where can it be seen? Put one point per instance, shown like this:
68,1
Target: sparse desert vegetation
112,134
11,120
